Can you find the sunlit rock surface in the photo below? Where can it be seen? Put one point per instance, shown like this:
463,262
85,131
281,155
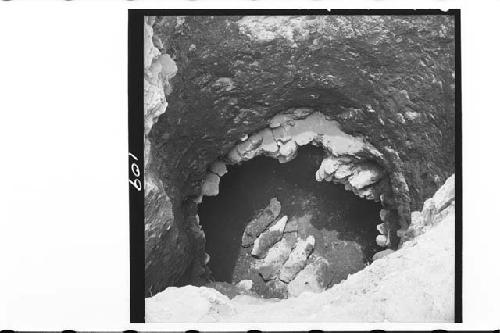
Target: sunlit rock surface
187,304
435,209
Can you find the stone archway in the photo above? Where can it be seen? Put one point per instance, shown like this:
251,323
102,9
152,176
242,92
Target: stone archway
269,244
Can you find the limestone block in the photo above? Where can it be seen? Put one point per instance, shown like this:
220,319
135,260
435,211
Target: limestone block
224,83
384,213
311,279
248,147
234,157
288,149
297,259
382,229
280,134
434,210
260,223
428,211
277,255
343,171
301,113
210,185
279,120
219,168
269,145
245,284
268,238
364,176
381,240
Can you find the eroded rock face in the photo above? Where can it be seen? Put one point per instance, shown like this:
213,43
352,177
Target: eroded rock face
161,234
387,80
435,209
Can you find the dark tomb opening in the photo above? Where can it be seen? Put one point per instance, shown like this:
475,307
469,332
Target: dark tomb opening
343,225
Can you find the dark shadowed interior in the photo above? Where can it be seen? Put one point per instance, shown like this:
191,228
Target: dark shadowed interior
327,210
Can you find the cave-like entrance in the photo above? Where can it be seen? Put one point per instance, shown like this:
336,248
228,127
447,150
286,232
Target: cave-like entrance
343,226
299,210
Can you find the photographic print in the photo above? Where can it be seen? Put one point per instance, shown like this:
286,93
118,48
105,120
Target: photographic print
295,166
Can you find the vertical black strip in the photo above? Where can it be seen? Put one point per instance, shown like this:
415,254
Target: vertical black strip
458,170
136,163
136,135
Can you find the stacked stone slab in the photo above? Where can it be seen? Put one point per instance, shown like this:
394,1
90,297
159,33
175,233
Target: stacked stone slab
260,223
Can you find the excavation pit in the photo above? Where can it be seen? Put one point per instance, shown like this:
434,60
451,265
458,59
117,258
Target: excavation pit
342,226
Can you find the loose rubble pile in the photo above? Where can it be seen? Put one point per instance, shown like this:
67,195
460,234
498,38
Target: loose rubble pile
283,261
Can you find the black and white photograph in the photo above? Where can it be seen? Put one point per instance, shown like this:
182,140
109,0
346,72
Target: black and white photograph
299,166
249,166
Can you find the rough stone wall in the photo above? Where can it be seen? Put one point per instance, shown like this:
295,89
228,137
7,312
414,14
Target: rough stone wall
389,79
